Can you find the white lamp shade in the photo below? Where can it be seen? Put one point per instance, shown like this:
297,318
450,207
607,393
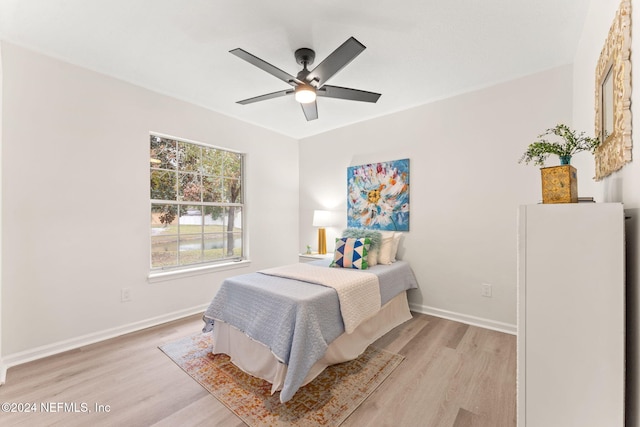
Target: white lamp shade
322,219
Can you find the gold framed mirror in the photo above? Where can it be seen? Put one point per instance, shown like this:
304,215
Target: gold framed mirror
613,96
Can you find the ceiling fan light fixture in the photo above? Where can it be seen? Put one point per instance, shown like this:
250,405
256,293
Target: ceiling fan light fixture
309,84
305,94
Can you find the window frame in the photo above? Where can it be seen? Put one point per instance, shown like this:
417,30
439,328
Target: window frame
202,266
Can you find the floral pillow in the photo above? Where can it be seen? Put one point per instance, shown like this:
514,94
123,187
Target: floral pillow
351,253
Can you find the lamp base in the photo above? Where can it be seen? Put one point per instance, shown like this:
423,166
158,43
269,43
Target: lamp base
322,241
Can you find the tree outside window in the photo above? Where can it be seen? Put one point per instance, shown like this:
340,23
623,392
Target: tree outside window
196,203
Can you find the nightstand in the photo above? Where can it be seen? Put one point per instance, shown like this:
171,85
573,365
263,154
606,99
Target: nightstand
314,257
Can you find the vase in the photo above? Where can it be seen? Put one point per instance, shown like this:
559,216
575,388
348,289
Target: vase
565,160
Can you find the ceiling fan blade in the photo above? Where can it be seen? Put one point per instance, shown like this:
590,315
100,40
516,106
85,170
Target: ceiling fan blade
347,93
310,110
265,97
336,61
265,66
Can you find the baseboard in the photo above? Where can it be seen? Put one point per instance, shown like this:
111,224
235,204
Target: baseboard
467,319
73,343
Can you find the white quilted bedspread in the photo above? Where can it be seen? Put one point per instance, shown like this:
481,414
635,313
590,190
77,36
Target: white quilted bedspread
358,291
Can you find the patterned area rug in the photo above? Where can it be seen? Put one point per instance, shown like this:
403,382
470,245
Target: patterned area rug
326,401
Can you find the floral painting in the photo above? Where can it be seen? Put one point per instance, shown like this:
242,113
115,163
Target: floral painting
378,196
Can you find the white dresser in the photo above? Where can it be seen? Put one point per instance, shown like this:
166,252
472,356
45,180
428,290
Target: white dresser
571,315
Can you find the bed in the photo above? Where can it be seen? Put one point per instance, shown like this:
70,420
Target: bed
286,326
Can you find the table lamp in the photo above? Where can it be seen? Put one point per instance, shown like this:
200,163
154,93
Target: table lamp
322,219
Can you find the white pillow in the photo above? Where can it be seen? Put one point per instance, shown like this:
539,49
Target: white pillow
386,247
372,257
396,243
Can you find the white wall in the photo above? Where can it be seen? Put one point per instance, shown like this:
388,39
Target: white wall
466,185
2,367
622,186
76,203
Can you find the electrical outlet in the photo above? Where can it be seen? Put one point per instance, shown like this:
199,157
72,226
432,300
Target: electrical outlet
125,294
486,290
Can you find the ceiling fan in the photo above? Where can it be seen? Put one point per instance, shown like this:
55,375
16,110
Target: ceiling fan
309,84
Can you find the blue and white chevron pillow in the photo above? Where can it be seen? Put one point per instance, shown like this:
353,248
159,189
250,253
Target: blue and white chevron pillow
351,253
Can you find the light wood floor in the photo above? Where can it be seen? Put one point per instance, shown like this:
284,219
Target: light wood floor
454,375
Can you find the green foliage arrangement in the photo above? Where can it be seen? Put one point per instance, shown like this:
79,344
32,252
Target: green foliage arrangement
570,144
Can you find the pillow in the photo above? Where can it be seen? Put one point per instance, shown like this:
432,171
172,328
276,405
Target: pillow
389,247
372,257
374,236
384,253
396,243
351,253
360,233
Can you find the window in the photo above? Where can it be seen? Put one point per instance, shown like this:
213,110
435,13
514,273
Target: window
196,204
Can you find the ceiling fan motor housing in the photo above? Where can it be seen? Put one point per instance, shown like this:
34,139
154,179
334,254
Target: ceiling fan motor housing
305,56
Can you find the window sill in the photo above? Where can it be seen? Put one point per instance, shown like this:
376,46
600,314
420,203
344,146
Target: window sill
162,276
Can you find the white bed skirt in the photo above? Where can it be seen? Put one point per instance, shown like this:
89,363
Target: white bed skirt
256,359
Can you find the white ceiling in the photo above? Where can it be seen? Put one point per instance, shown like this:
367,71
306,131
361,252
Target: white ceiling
417,50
